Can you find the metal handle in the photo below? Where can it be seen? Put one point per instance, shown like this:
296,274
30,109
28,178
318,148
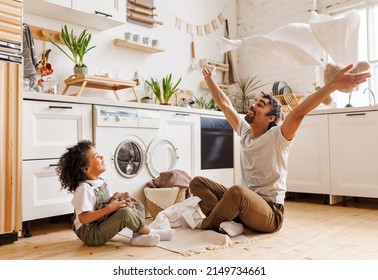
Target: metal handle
101,13
53,165
355,114
183,114
60,107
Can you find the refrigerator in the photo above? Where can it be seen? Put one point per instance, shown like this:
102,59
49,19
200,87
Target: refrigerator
11,94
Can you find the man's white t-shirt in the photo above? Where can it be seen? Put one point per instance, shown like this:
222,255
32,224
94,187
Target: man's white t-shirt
264,162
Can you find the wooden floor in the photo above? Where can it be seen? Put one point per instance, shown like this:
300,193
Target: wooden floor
311,230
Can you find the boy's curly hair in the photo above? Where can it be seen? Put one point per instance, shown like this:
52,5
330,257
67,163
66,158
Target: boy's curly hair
71,165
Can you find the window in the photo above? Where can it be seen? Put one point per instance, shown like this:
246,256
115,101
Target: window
364,96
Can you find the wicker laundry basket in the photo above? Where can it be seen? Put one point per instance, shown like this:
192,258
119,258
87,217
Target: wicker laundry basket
158,199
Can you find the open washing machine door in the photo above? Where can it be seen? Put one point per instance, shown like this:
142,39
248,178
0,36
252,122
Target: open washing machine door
161,155
129,157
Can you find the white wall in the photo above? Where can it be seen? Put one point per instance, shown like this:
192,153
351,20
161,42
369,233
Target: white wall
176,59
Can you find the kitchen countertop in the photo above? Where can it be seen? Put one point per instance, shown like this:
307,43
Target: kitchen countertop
120,103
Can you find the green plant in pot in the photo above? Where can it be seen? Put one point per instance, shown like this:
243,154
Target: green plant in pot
78,47
169,88
165,90
245,92
154,85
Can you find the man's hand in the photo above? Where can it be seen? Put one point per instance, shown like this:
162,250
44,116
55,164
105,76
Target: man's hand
347,82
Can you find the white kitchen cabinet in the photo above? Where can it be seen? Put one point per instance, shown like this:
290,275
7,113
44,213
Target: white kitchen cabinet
309,166
354,154
98,7
63,3
42,195
181,128
49,128
81,12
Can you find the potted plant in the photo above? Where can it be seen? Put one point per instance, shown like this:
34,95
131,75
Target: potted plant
78,47
168,88
154,84
164,90
245,93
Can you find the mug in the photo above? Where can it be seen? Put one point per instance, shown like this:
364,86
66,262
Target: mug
146,40
136,37
128,36
155,43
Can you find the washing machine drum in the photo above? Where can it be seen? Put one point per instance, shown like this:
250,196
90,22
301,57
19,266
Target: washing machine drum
132,157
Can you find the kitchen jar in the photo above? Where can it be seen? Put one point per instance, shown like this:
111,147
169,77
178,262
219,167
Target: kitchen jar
49,86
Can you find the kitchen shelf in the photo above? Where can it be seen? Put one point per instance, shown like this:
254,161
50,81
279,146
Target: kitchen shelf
99,82
205,62
136,46
221,86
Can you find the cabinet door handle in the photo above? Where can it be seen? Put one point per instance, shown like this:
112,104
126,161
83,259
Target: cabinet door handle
101,13
53,165
60,107
355,114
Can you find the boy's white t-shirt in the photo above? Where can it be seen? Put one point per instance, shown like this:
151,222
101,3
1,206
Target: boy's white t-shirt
264,161
84,198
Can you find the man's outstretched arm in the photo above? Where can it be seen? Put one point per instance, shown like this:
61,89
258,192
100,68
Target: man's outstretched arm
342,81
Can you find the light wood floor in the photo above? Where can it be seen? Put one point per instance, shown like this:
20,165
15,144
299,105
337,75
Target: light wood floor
311,230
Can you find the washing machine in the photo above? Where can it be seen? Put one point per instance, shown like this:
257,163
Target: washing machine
135,151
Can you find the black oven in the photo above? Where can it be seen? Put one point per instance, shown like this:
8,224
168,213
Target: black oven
217,143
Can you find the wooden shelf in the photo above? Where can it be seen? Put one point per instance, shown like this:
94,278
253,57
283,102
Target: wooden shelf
136,46
205,62
99,82
221,86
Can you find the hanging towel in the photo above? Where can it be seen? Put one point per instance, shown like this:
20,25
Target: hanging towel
30,60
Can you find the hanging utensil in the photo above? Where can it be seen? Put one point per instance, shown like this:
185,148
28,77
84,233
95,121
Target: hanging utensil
193,65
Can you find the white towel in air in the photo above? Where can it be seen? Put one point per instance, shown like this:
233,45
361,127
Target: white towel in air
302,44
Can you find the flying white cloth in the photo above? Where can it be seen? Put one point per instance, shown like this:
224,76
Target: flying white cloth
302,44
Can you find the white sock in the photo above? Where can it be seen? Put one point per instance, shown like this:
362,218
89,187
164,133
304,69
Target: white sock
146,240
165,234
231,228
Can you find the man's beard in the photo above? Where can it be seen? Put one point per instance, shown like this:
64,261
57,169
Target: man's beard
249,119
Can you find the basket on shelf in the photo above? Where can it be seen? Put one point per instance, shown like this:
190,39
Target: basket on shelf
289,101
158,199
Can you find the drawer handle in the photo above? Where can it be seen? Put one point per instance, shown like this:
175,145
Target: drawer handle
182,114
53,165
356,114
60,107
101,13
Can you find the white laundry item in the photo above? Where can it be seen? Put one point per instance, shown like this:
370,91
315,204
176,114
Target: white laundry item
184,214
338,36
302,44
281,46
